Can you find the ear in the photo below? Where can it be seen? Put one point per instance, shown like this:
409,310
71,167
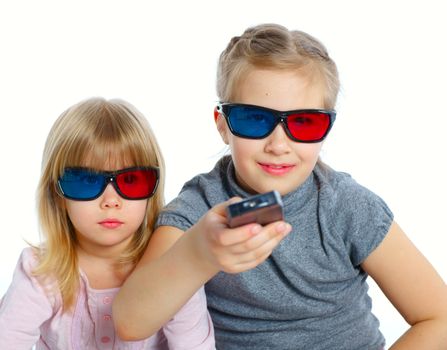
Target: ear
221,125
216,114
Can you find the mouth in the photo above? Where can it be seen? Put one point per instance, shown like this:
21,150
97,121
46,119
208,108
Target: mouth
110,223
276,169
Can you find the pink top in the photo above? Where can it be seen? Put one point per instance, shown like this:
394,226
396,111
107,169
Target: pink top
30,314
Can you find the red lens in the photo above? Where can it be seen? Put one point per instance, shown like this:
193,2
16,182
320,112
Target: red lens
139,183
308,126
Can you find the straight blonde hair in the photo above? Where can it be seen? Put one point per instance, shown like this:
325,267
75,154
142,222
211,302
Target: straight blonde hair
272,46
95,133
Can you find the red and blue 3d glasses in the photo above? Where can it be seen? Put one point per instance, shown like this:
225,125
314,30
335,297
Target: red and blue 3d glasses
256,122
84,184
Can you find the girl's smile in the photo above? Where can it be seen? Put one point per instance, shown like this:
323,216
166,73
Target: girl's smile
276,169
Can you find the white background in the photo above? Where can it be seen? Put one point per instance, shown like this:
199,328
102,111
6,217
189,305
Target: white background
161,56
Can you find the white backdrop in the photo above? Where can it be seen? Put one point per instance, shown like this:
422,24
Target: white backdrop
161,56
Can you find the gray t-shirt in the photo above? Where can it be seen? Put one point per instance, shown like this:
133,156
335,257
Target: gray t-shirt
311,293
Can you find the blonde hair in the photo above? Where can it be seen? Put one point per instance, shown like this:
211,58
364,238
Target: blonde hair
271,46
94,132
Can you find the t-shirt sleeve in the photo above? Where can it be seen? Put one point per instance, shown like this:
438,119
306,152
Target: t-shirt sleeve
361,217
178,213
191,328
187,208
24,307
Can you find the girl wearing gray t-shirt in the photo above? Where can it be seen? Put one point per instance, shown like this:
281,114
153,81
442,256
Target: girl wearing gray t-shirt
293,284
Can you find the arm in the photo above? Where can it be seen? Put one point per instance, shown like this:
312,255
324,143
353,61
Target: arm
23,308
163,282
191,327
413,287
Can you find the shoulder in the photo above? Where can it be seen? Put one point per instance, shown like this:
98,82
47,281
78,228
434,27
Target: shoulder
30,300
196,197
353,212
202,183
333,181
25,276
28,260
341,190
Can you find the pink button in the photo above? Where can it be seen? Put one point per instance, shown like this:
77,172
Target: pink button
107,300
106,317
105,339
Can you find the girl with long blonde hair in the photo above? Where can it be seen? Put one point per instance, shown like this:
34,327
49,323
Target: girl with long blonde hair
100,192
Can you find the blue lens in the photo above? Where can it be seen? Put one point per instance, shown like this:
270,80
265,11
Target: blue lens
251,122
81,184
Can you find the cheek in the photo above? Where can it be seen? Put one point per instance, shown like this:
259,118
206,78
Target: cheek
244,148
78,213
73,210
137,211
242,151
308,152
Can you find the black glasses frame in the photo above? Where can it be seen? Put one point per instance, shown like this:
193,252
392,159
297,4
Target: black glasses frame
110,177
281,117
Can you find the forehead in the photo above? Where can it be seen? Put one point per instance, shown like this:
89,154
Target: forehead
280,89
109,159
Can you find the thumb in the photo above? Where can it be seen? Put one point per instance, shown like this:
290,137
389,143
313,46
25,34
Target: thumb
220,208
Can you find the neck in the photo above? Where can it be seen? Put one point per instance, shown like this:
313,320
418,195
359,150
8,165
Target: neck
102,267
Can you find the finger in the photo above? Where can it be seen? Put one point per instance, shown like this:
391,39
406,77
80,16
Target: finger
220,208
237,235
257,254
236,262
271,234
246,265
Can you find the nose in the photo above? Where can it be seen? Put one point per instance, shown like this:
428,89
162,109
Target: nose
278,142
110,198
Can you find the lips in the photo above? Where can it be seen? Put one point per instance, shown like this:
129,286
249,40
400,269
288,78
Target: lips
110,223
276,169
